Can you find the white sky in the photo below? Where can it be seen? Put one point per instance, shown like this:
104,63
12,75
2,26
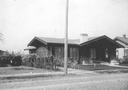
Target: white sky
21,20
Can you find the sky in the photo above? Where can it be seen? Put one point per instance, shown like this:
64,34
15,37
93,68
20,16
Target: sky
22,20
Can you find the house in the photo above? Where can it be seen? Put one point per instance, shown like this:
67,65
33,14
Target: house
96,48
122,52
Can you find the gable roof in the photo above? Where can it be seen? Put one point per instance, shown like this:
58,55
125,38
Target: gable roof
55,40
45,40
99,38
122,39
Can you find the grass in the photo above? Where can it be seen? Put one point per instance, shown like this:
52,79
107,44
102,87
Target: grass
105,69
113,71
123,64
22,69
36,78
99,67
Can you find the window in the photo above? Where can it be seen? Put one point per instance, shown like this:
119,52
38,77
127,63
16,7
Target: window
59,52
125,52
74,52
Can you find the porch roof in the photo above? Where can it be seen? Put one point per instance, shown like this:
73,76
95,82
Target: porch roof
30,48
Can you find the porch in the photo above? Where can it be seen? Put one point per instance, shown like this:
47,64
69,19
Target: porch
99,49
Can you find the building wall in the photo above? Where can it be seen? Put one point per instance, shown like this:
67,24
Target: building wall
121,52
58,51
73,51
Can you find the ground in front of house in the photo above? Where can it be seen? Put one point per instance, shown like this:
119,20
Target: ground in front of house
78,79
95,82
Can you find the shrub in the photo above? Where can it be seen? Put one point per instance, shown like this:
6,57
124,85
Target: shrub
72,62
125,60
40,62
5,59
50,62
86,60
2,61
16,61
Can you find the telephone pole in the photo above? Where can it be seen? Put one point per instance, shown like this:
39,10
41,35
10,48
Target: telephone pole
66,40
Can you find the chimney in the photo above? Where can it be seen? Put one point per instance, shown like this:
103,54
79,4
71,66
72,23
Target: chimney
124,35
83,37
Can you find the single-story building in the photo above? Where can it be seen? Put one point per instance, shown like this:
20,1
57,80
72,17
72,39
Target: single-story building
122,52
96,48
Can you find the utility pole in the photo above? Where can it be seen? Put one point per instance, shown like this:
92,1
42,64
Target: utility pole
66,41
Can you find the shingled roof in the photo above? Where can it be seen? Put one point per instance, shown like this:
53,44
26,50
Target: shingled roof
45,40
122,39
59,40
93,39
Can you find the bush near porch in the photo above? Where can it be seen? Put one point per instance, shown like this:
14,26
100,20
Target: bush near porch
124,61
72,62
89,61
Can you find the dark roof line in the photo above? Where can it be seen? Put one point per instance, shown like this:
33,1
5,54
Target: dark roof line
98,38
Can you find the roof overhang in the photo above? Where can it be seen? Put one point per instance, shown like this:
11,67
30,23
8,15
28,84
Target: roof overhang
36,38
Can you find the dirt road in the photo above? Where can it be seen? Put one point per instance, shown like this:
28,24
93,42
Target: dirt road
96,82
